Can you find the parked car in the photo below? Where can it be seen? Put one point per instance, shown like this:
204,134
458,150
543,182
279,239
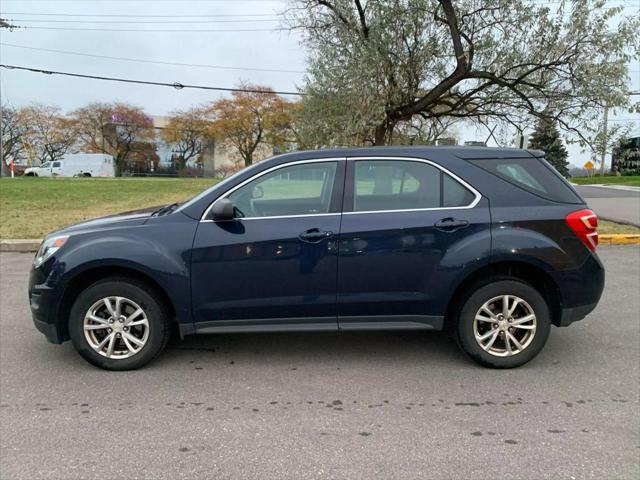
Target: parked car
492,244
75,165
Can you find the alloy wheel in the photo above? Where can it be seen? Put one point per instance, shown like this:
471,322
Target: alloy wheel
504,325
116,327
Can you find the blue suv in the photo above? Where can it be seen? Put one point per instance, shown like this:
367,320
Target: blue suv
491,244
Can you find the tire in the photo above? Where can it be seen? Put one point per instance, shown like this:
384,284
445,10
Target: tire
530,334
127,353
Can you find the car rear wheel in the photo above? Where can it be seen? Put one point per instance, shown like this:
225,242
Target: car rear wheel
119,324
503,324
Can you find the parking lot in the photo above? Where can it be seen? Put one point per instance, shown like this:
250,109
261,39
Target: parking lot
357,405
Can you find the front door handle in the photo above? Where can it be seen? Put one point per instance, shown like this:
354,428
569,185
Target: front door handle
314,235
450,224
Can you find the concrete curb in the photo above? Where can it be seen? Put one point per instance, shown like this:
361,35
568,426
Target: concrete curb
23,245
619,239
31,245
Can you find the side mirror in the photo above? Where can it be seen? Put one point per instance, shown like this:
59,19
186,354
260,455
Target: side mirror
222,210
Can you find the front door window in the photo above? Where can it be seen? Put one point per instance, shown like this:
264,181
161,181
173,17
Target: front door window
304,189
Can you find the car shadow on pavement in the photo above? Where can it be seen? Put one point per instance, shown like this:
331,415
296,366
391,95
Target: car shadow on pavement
318,347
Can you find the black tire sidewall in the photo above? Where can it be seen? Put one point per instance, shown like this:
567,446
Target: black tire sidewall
464,329
145,298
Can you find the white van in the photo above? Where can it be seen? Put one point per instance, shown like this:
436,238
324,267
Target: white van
76,165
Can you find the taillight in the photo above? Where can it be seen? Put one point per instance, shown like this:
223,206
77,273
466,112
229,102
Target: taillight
584,224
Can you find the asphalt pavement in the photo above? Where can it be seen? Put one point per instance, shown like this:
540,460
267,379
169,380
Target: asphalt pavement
303,405
621,204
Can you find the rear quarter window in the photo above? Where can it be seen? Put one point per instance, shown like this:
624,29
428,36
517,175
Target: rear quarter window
534,175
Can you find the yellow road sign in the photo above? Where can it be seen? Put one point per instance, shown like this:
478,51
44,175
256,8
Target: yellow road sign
589,165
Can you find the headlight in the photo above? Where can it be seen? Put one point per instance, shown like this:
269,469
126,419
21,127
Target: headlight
50,246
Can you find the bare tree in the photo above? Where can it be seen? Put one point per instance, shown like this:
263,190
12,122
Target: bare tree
13,133
48,132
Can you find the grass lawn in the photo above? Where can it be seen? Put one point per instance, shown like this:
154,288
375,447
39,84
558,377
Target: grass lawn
31,207
606,227
632,180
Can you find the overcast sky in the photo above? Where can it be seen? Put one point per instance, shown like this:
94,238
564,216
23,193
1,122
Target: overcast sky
274,50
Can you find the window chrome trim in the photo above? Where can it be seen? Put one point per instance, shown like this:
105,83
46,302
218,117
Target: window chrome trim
204,219
286,216
478,195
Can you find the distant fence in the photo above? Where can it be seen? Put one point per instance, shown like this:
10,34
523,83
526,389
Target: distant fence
169,172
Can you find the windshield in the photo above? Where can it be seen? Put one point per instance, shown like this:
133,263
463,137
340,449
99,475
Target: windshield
206,192
45,165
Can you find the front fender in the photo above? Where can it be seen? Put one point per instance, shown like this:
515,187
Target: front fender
156,250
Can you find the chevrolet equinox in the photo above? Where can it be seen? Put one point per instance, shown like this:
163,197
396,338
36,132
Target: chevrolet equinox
490,244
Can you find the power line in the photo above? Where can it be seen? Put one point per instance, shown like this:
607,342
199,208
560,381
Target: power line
176,85
140,1
141,16
23,20
161,62
140,60
203,30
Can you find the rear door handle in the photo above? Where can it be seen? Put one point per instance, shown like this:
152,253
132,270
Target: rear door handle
450,224
314,235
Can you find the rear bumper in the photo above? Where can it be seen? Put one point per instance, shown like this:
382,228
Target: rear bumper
570,315
580,290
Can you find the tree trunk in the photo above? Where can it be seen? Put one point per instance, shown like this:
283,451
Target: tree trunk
117,167
383,133
248,159
380,134
182,163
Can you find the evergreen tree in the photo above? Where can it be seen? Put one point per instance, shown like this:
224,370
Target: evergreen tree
546,137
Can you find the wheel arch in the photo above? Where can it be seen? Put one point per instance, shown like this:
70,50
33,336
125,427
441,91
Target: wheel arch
88,277
527,272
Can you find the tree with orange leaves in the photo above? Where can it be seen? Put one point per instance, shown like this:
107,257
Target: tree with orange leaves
113,128
250,118
188,132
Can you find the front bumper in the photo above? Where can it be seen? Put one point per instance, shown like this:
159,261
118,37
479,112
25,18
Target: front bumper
49,330
43,304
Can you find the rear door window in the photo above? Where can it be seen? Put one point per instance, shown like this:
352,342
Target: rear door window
454,194
534,175
382,185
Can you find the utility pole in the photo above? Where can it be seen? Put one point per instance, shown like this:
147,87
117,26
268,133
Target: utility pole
604,138
605,131
2,164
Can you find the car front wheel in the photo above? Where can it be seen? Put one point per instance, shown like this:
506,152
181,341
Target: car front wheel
503,324
119,324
